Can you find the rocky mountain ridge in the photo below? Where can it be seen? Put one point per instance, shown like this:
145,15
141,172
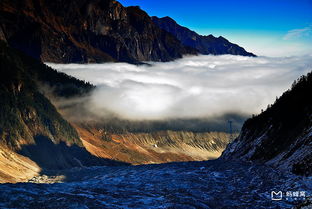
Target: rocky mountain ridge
99,31
204,44
86,31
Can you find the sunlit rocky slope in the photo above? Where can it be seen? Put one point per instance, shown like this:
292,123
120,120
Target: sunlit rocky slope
153,147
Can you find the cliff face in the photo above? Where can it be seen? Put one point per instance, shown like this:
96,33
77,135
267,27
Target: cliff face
204,44
281,136
85,31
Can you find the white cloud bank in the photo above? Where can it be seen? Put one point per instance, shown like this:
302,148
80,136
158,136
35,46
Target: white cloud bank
192,87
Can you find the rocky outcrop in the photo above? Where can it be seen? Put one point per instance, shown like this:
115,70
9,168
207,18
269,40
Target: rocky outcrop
281,136
204,44
86,31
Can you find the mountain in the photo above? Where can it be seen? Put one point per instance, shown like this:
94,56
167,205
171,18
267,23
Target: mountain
34,136
24,110
204,44
82,31
281,136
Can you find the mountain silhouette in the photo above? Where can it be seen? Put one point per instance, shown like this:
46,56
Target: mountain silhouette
204,44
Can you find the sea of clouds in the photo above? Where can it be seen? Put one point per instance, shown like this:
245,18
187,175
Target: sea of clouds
193,87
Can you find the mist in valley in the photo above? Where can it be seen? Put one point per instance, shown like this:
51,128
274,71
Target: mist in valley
196,93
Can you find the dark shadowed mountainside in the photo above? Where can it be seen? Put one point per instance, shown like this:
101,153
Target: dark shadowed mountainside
84,31
33,134
204,44
25,112
281,136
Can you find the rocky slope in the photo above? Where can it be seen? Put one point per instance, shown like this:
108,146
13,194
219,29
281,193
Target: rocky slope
15,167
152,147
281,136
85,31
204,44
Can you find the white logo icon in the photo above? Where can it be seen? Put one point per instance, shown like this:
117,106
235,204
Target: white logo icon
276,195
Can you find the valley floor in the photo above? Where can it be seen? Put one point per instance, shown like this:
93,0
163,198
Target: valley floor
132,148
209,184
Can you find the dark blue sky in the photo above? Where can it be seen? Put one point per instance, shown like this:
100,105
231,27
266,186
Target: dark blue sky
286,25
